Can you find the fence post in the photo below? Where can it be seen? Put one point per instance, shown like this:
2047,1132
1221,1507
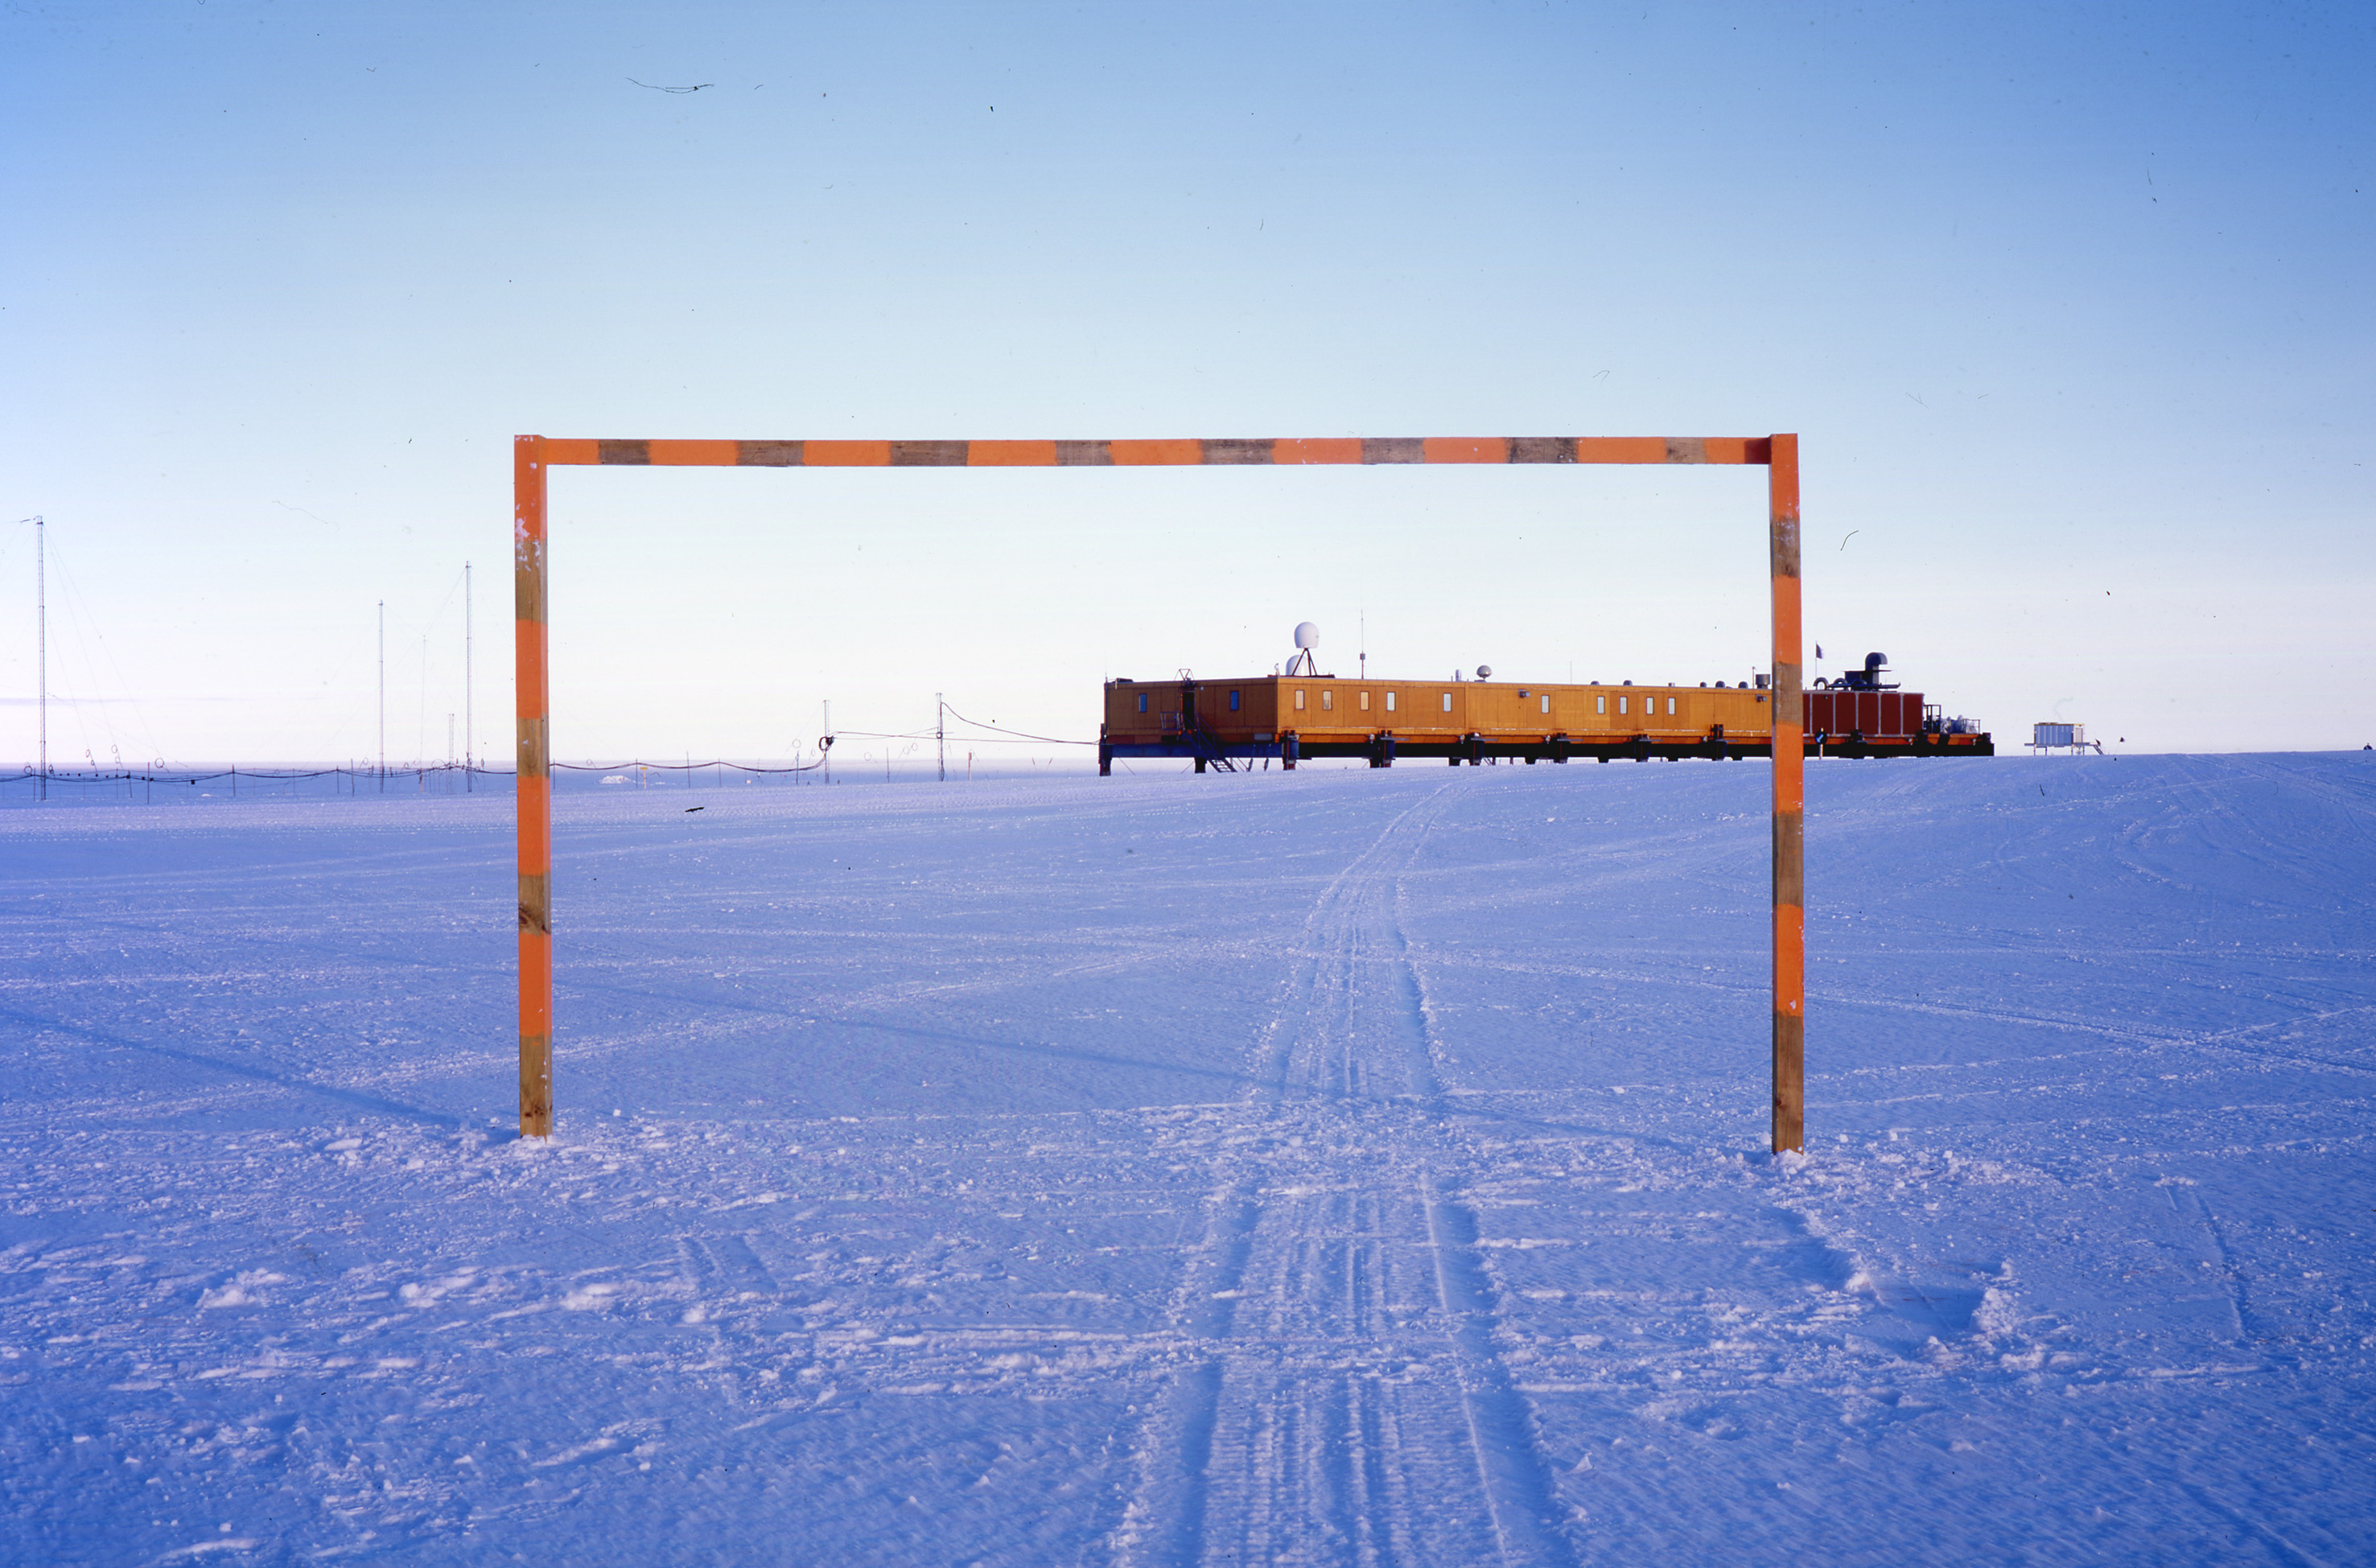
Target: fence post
1789,807
535,788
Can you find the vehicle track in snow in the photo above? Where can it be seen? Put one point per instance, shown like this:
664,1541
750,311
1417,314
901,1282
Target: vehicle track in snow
1341,1398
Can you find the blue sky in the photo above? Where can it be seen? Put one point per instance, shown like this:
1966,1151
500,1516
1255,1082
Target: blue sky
2068,304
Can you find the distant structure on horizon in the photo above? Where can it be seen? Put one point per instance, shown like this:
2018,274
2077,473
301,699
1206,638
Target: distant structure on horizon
2045,737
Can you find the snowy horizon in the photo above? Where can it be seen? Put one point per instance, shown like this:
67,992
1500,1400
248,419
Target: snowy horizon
1346,1167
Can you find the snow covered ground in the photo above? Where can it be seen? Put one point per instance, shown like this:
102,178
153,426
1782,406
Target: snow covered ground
1337,1168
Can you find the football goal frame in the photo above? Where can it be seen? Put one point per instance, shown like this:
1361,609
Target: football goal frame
533,456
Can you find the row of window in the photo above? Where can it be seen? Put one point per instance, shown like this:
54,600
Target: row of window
1600,703
1328,702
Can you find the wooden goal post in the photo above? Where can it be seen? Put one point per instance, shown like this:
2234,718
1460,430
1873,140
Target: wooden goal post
532,456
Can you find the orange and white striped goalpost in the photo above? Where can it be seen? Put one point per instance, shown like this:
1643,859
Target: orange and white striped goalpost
533,454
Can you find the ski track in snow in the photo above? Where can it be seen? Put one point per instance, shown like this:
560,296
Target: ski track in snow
1351,1406
1342,1168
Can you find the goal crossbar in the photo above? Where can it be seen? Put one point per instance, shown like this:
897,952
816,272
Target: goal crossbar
532,456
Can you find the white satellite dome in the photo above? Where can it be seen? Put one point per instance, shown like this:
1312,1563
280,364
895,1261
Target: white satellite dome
1484,671
1307,636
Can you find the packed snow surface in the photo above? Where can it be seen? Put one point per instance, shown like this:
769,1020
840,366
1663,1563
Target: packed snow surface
1344,1166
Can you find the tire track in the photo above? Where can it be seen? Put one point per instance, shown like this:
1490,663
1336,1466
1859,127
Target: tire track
1341,1398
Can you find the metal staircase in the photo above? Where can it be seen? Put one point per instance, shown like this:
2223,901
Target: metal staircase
1204,746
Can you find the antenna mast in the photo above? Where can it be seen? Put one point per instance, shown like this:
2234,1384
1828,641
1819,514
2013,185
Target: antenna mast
383,697
940,730
469,767
41,622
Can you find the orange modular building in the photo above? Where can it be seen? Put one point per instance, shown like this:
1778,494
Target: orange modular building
1227,722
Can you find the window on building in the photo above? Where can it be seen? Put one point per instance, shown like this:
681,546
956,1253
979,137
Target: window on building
1142,701
1670,708
1233,702
1298,698
1390,702
1623,704
1447,702
1600,703
1328,702
1547,702
1365,702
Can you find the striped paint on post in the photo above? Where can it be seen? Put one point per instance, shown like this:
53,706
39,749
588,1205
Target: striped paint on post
534,455
1790,805
533,709
1175,452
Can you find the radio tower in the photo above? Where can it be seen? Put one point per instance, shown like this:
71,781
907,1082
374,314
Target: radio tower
469,766
41,625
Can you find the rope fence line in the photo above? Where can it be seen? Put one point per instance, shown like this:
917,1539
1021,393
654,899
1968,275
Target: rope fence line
262,775
190,777
80,784
187,777
426,779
